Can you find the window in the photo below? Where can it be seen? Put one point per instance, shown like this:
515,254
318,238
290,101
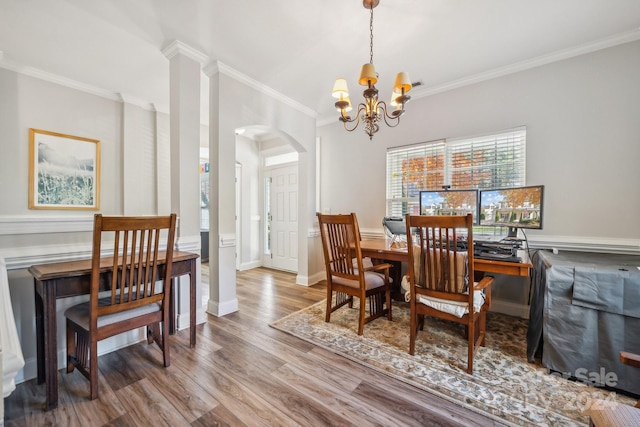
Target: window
488,161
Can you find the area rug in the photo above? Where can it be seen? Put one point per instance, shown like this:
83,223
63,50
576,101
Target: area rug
504,386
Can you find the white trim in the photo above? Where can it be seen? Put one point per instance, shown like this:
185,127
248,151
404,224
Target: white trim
586,244
227,240
614,40
57,79
178,47
219,67
249,265
10,225
311,280
218,309
510,308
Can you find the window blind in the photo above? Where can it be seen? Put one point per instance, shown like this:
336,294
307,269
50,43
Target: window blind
488,161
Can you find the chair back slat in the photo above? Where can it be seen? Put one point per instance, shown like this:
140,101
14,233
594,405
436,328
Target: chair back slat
341,239
140,271
441,262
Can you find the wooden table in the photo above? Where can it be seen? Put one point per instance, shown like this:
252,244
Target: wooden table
66,279
379,249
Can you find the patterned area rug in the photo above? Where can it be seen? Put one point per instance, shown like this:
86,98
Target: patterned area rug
504,386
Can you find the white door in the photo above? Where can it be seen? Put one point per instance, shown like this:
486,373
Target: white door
284,218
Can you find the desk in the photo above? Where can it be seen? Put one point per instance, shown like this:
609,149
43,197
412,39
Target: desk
379,249
66,279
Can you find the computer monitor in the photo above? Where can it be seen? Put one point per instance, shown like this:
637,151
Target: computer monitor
518,207
449,202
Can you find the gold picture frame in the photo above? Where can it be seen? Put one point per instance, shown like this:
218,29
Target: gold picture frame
64,171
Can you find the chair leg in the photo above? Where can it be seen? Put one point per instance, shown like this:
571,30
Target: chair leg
72,350
471,341
361,311
388,294
165,343
93,369
483,327
327,315
413,331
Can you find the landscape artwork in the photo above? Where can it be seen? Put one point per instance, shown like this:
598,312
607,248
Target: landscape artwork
64,171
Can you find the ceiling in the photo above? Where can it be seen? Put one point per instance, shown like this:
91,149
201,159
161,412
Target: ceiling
299,47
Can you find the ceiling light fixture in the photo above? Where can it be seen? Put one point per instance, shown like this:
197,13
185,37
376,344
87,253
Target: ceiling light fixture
372,110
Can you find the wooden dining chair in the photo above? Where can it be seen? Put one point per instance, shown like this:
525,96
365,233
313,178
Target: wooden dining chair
614,414
139,289
346,275
441,278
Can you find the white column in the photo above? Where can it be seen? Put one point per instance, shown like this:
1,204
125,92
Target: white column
222,157
184,110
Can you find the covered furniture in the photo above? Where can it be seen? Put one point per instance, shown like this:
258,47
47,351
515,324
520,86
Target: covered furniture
347,276
585,309
138,294
439,278
11,356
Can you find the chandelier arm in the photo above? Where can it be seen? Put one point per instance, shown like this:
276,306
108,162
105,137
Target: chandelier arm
383,106
355,120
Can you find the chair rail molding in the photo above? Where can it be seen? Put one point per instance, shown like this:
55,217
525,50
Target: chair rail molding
13,225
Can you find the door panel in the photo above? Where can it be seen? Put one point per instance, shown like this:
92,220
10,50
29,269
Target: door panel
284,222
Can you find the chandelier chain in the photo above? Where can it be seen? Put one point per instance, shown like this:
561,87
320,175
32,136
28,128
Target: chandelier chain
371,37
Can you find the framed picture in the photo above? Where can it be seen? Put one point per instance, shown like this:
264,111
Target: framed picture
64,171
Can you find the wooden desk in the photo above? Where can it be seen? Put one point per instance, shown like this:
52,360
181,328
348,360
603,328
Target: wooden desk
379,249
66,279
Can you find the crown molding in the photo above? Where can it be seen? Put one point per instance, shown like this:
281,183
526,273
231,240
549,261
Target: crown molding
56,79
216,67
616,39
138,102
560,55
177,47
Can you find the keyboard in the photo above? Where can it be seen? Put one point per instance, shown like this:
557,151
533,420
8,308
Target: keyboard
497,257
495,251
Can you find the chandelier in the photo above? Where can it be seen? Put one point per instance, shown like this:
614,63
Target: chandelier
371,110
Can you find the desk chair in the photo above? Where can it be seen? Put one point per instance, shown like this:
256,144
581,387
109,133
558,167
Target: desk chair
139,290
439,278
346,274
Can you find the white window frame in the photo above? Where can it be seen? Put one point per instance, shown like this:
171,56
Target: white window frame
506,169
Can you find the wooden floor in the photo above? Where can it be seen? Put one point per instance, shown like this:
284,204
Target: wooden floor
241,372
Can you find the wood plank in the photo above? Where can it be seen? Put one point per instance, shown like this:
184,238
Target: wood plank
241,372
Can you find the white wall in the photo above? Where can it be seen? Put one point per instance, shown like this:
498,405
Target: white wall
37,236
583,143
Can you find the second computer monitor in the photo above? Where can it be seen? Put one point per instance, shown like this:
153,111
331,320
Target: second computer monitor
519,207
450,202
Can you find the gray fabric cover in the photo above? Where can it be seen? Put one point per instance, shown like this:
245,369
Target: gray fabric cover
585,309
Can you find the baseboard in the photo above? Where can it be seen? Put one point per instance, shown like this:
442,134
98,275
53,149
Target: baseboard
249,265
511,308
220,309
310,280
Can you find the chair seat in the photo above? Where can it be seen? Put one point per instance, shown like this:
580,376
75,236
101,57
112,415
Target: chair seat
608,414
80,314
372,280
456,308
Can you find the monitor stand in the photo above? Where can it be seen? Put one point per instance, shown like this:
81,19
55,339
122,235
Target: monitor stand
513,233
